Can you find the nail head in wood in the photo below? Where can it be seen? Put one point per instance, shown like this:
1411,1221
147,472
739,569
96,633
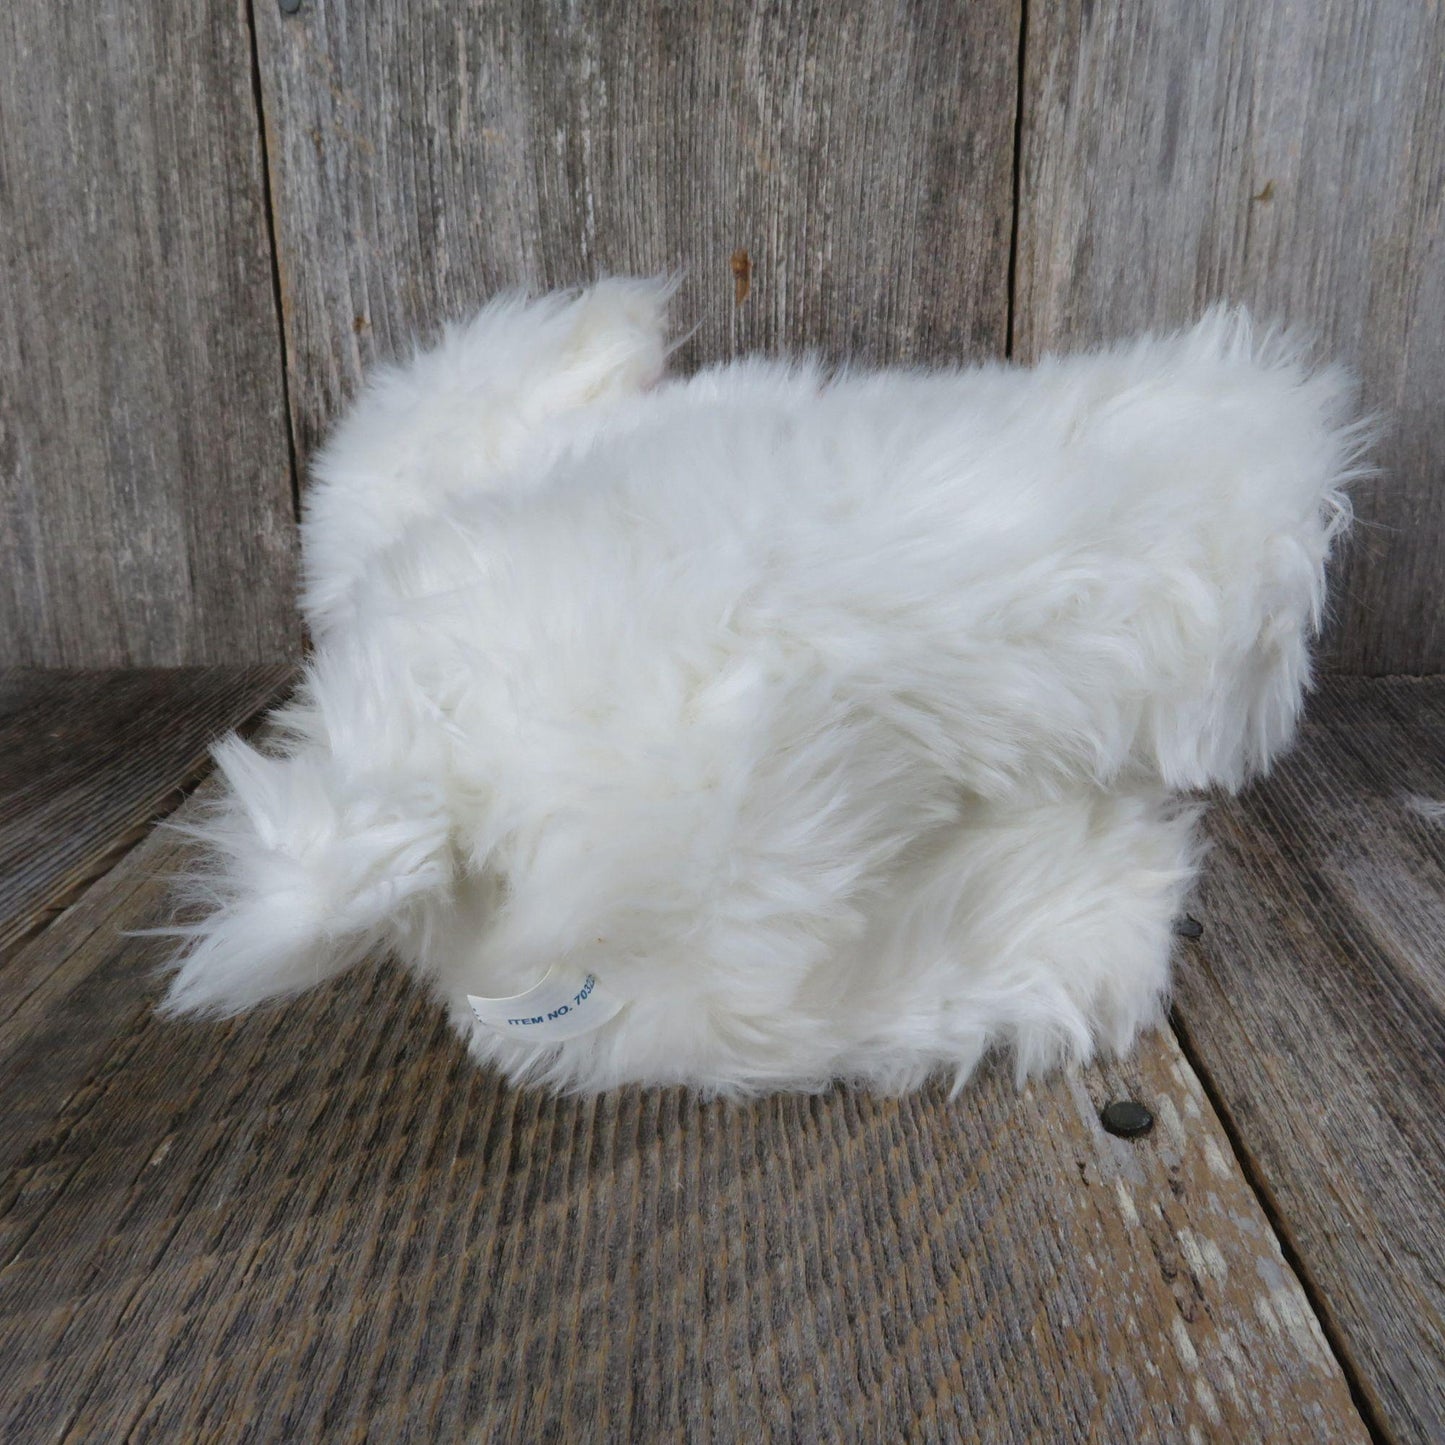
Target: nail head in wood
289,7
1188,927
1126,1118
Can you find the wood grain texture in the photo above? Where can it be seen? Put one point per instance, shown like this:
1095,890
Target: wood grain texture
324,1222
146,512
1315,1005
88,760
1288,156
425,156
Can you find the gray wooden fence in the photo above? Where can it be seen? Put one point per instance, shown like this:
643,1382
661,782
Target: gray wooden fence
216,213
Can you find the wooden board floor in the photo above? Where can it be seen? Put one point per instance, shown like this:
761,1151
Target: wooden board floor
89,759
322,1222
1315,1005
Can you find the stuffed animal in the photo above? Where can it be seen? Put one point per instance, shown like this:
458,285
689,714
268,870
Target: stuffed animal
774,725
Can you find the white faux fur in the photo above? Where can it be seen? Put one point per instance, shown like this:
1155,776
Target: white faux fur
835,721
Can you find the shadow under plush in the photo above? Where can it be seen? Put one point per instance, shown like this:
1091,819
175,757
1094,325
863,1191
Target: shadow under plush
835,723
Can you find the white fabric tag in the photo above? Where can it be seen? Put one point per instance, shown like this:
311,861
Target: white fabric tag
565,1004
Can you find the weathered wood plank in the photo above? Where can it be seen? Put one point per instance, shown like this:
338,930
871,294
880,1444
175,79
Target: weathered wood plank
1315,1004
1288,156
426,155
146,514
88,760
323,1222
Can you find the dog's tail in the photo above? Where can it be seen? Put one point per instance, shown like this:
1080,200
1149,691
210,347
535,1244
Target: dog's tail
305,864
458,417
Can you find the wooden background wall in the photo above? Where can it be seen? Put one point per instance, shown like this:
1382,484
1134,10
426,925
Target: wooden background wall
216,213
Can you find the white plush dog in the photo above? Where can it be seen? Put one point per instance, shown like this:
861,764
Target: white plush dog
774,725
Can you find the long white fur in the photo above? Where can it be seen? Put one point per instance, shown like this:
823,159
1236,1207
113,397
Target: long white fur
837,721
